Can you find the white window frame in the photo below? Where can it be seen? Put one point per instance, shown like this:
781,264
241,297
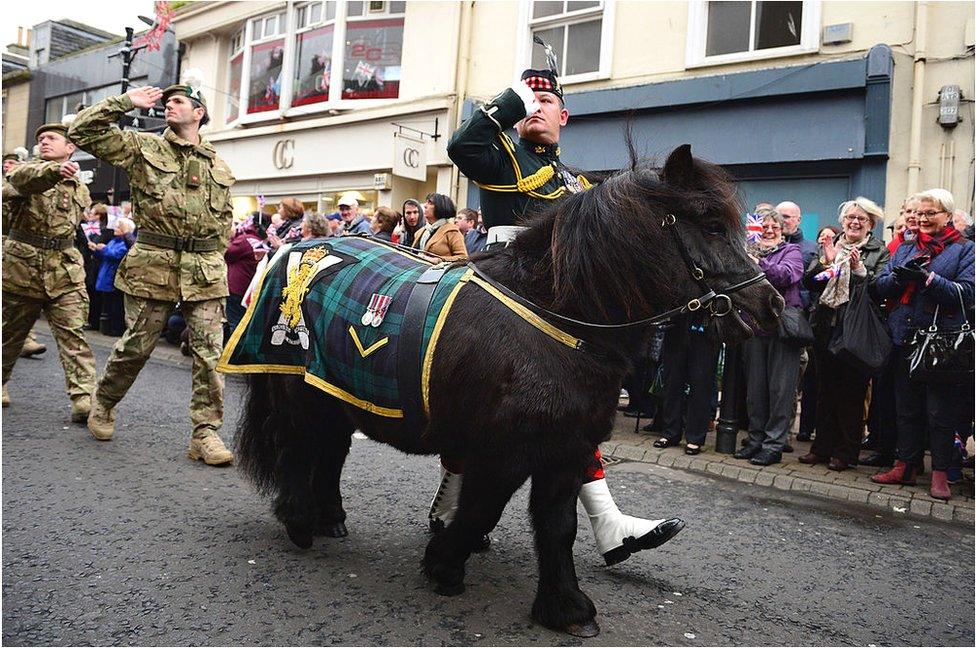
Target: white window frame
285,109
606,10
238,40
698,36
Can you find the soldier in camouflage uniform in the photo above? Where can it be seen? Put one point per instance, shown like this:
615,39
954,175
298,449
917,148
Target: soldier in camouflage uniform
182,205
42,270
32,347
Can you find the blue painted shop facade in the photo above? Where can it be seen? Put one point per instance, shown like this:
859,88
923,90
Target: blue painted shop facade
816,134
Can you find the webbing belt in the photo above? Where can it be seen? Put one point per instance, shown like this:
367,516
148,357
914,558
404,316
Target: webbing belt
409,347
45,243
181,244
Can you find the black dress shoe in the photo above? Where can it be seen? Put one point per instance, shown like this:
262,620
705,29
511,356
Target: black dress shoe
765,457
657,537
747,452
877,459
803,437
634,414
870,443
664,442
787,448
691,449
652,427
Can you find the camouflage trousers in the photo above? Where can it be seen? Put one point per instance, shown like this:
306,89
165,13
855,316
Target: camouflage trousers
67,315
145,320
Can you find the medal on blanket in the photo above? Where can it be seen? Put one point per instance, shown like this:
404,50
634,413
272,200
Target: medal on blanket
376,311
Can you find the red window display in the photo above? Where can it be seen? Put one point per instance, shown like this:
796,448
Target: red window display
371,69
313,66
264,90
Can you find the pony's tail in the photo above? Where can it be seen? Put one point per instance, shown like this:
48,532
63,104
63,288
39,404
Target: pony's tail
254,442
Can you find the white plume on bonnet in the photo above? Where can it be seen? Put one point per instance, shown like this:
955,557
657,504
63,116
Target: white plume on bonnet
22,153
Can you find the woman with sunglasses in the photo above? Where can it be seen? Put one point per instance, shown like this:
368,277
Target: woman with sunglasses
934,270
851,259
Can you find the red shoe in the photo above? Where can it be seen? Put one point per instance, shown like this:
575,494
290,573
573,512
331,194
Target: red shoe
899,474
940,486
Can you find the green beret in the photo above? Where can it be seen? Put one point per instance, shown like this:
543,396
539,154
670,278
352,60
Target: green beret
11,156
56,127
187,91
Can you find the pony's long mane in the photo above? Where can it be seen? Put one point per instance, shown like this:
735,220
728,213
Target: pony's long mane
608,244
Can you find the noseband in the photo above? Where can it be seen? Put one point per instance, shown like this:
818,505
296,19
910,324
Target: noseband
718,304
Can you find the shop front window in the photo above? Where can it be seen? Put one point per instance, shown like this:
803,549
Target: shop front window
372,59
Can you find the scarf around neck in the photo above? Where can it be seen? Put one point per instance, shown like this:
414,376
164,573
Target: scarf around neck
759,250
931,246
429,231
838,289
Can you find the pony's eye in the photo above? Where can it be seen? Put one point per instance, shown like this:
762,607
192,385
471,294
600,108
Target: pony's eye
714,231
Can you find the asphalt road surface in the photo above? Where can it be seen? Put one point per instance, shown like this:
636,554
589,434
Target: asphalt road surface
129,542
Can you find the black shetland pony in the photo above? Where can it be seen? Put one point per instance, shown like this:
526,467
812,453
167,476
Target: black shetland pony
601,256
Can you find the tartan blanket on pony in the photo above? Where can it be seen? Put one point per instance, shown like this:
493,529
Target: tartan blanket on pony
333,311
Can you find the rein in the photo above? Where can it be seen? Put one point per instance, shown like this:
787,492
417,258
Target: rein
719,303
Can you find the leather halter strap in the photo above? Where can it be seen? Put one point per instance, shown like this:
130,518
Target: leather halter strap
719,304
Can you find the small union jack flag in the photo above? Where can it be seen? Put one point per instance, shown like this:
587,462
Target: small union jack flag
828,274
754,224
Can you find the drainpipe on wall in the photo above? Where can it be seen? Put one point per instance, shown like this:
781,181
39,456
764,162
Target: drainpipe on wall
918,82
461,84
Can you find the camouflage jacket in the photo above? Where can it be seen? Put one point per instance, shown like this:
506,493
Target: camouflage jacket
38,201
178,189
515,178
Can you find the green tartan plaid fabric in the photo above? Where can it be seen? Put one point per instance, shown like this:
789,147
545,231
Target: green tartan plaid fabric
330,342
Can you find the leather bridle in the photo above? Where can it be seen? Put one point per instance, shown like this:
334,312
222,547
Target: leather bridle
719,304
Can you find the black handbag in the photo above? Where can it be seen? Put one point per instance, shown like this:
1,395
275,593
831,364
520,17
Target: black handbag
861,339
941,354
794,329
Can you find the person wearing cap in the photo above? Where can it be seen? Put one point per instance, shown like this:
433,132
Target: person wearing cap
517,179
42,268
182,206
32,347
352,221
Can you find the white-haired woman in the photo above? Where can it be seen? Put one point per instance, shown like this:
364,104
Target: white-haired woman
934,270
852,258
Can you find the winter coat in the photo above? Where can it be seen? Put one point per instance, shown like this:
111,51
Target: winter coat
952,267
110,256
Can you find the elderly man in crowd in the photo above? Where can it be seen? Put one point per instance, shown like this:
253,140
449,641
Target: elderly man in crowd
352,221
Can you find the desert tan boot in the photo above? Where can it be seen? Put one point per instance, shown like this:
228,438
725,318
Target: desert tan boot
210,449
80,408
32,347
6,396
101,421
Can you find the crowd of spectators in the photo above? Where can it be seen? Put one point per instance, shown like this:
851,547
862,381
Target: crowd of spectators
923,275
926,269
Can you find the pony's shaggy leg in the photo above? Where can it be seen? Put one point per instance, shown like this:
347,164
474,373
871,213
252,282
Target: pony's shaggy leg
559,602
486,489
331,517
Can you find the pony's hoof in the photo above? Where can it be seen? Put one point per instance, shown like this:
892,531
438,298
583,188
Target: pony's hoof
334,530
448,590
586,630
300,536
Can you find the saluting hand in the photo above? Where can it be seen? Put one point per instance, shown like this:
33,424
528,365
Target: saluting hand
68,169
145,97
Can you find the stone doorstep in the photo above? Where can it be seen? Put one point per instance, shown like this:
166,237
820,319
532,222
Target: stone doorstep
848,486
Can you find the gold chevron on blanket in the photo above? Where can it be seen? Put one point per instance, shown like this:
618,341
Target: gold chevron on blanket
364,352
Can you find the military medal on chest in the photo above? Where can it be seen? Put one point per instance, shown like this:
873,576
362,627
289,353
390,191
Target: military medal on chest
376,311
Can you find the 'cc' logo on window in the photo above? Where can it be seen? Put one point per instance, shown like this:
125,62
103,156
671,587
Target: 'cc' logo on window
411,157
281,155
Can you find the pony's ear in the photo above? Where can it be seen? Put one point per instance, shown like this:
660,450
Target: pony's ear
679,170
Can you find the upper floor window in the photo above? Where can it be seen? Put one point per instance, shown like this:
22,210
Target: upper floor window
316,55
728,31
580,33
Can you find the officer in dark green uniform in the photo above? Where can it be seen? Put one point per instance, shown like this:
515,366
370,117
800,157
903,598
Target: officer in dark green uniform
517,178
